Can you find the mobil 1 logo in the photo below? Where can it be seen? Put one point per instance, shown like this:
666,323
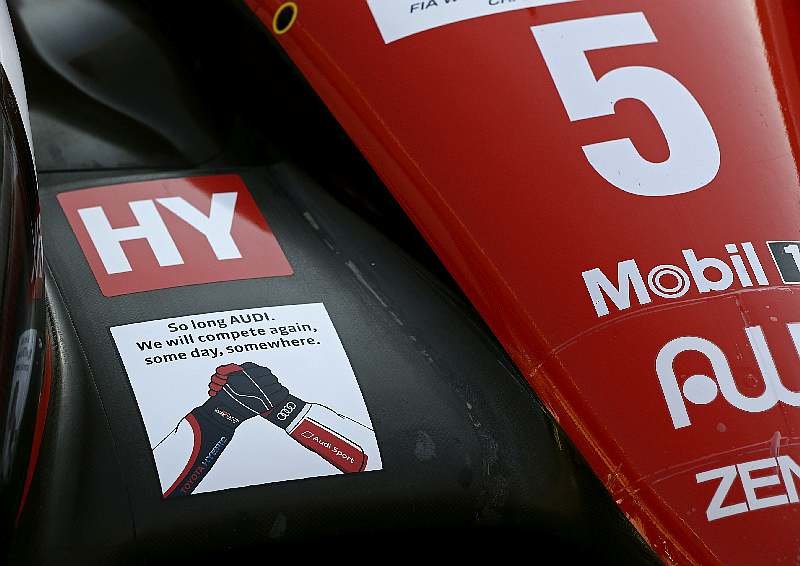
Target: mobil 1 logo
787,260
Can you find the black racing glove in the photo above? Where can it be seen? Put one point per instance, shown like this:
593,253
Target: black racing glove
317,428
252,387
258,388
235,396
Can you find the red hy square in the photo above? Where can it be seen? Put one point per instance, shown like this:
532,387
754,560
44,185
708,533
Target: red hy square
172,232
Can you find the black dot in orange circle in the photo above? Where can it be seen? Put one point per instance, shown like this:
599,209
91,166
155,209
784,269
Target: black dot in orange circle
285,17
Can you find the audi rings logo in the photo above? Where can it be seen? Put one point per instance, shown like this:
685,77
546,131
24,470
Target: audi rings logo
287,410
672,273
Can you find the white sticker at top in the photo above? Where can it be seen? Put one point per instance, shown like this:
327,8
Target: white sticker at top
397,19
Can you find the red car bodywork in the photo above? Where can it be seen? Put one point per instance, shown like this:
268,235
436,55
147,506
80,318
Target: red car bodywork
467,128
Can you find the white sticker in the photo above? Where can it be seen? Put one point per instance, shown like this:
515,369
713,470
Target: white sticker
397,19
247,397
20,386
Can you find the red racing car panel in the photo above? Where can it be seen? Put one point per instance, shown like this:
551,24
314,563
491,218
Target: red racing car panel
615,187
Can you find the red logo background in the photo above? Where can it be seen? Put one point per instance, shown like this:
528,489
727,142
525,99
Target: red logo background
261,253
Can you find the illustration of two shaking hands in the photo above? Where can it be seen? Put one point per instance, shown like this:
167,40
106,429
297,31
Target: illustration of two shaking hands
238,393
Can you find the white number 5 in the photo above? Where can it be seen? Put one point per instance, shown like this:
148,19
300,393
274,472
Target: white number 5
693,150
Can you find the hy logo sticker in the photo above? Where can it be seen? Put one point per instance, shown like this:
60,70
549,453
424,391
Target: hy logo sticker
172,232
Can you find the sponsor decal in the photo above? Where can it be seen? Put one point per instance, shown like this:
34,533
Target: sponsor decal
286,411
214,452
741,268
342,452
397,19
777,474
701,389
172,232
27,346
225,414
787,259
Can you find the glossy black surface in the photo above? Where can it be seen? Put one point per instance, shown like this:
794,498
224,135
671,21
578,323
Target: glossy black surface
466,449
22,322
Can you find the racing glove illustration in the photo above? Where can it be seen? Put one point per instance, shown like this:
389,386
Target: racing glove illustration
342,442
236,398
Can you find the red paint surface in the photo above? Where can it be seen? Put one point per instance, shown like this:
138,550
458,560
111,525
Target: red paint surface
464,124
261,253
350,457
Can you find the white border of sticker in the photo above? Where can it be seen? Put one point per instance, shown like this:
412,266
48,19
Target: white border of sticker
397,19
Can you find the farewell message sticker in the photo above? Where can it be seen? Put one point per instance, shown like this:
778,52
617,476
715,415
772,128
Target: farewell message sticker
246,397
